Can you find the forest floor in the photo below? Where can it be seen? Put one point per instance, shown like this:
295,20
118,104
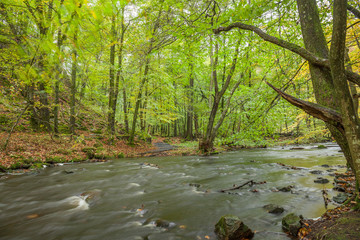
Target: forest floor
32,150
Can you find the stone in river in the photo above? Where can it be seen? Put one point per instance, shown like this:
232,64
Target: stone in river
321,180
230,227
291,224
340,198
272,208
316,172
285,189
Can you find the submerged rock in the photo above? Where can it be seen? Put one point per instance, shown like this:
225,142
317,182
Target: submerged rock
340,198
291,224
297,148
321,180
275,209
316,172
164,224
230,227
325,166
285,189
92,196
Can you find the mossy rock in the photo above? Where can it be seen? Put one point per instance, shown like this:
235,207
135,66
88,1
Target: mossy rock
120,155
2,168
19,165
230,227
37,165
101,156
321,147
291,224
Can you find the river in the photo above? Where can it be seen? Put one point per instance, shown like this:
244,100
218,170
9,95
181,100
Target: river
125,197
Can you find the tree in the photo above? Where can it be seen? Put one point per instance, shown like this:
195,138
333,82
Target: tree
335,104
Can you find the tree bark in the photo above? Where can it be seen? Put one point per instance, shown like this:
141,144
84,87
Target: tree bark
111,114
73,86
337,64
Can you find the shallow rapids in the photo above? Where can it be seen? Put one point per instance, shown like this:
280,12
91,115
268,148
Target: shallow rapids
127,198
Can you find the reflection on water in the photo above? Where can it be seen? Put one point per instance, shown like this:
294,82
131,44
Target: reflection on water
125,199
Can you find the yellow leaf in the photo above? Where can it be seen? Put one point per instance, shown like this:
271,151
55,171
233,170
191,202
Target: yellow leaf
207,237
93,14
182,226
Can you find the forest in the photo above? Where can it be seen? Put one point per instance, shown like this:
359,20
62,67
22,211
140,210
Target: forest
105,79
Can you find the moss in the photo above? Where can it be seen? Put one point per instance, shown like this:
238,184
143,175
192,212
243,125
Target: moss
55,159
88,149
321,147
37,165
120,155
97,145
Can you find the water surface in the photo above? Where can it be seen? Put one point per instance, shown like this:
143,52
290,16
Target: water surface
128,197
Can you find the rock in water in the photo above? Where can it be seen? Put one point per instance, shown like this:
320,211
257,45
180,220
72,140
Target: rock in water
230,227
321,180
340,198
291,224
275,209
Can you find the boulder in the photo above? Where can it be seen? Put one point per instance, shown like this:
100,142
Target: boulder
92,196
272,208
340,198
230,227
321,180
291,224
285,189
316,172
164,224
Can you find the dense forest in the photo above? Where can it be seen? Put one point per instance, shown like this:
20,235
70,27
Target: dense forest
91,81
199,70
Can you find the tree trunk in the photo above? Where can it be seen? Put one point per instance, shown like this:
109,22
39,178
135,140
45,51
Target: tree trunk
138,99
337,65
321,78
190,109
73,86
111,114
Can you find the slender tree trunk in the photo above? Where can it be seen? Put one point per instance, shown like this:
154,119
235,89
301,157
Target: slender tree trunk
73,86
138,99
190,110
111,114
120,74
57,81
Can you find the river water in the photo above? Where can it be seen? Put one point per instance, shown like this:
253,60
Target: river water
121,199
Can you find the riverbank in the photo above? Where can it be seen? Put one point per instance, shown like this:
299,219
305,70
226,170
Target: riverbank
342,222
33,150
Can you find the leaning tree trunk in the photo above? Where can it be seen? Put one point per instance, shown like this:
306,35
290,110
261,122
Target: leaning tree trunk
321,78
337,65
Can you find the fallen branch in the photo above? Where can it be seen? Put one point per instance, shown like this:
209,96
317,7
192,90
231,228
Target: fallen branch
325,197
251,182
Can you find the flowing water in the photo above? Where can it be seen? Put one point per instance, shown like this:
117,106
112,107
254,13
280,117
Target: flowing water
121,199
